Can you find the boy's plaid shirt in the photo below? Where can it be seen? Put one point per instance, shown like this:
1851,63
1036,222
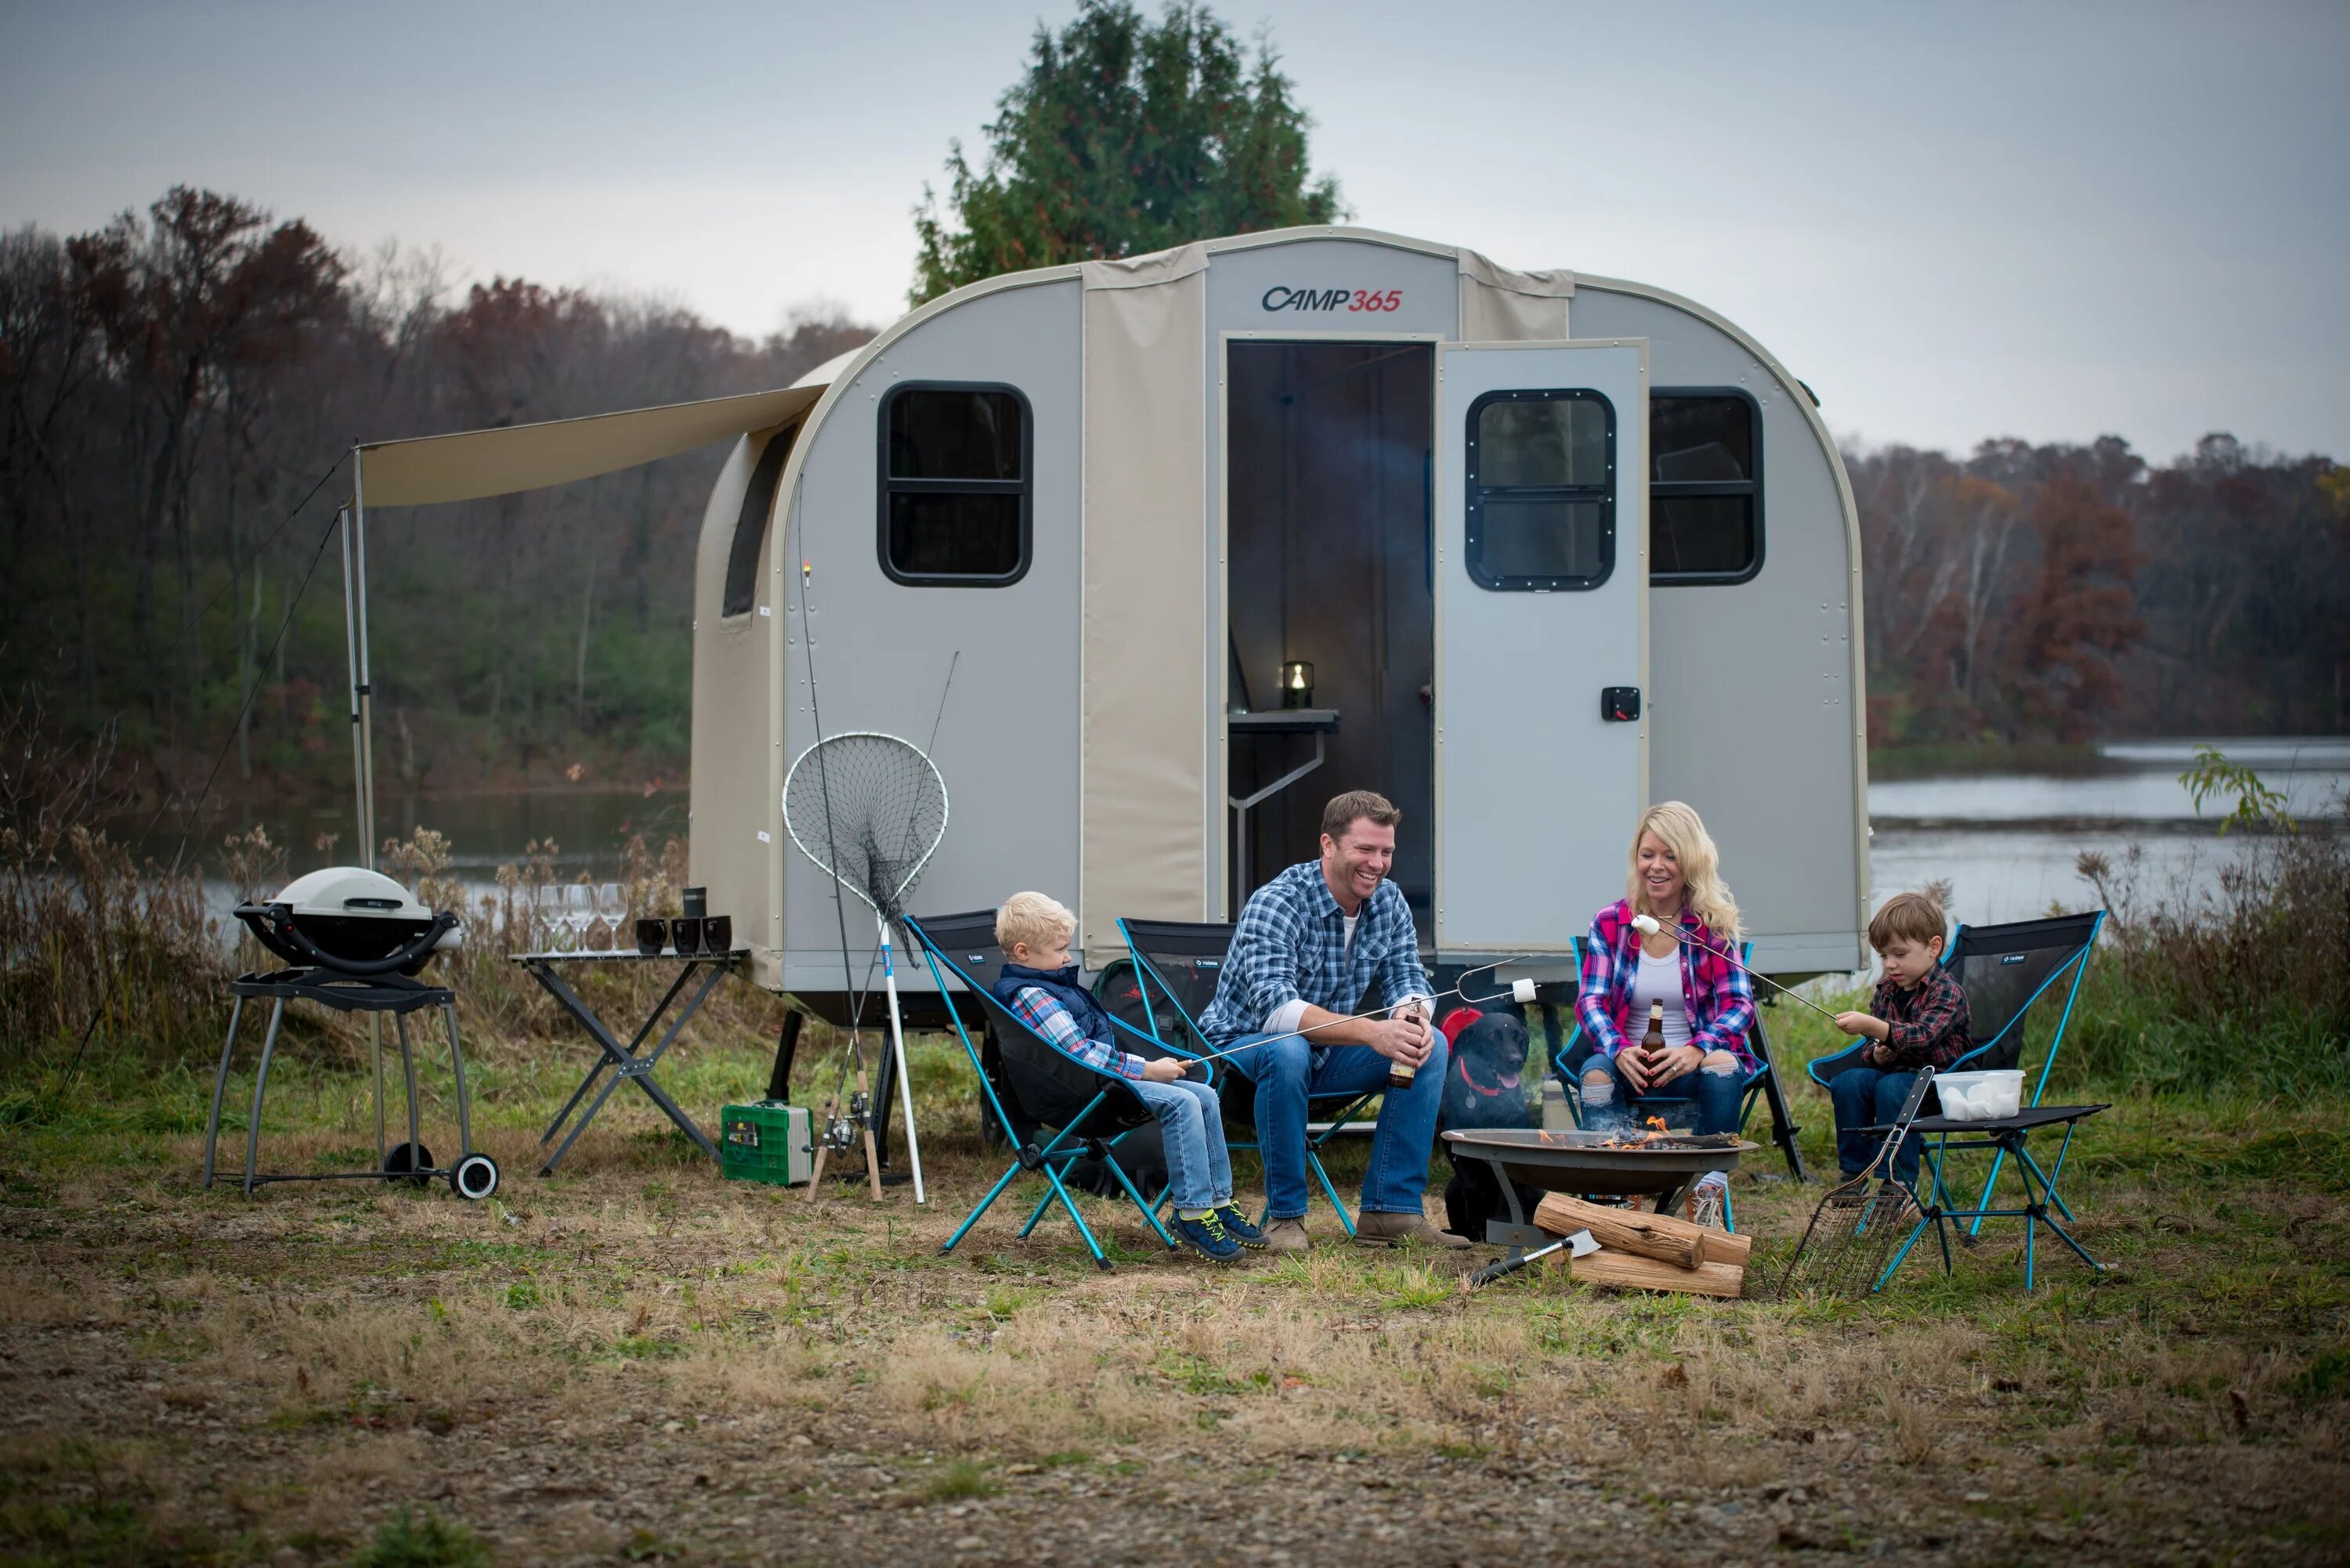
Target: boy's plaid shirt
1719,996
1035,1006
1927,1026
1290,946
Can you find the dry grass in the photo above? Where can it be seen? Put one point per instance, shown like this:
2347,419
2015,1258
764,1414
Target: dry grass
635,1357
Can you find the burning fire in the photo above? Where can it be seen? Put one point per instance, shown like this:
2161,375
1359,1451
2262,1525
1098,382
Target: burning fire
1654,1129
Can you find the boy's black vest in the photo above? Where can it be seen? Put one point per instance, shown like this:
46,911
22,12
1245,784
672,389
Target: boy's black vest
1061,985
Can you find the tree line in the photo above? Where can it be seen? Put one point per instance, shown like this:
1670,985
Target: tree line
176,389
2062,593
175,385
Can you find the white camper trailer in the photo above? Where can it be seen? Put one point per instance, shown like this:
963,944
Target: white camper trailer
1212,534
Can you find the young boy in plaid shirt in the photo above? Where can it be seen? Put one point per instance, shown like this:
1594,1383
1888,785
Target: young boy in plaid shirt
1041,985
1918,1019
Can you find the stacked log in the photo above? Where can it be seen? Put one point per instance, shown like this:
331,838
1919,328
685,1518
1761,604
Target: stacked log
1648,1252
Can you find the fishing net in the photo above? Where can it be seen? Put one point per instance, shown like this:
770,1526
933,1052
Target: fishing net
870,809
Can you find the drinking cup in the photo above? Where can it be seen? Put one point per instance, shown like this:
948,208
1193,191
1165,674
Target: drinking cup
650,936
718,934
685,935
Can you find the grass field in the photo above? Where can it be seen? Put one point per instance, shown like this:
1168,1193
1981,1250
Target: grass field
635,1361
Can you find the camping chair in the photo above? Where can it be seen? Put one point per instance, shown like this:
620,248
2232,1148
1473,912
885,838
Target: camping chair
1030,1086
2004,970
1176,967
1763,1084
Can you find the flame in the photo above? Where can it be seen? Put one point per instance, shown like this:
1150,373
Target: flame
1656,1122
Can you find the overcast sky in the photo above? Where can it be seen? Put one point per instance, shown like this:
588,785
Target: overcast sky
1954,221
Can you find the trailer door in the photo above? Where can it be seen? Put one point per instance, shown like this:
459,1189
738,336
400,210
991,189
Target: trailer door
1542,643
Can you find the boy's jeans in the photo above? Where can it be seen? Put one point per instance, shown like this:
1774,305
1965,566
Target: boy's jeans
1872,1096
1288,1071
1198,1172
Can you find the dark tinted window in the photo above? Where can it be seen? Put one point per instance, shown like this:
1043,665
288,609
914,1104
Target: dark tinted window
955,485
1542,491
1705,494
953,433
954,535
751,524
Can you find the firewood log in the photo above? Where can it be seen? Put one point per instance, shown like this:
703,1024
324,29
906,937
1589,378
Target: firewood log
1631,1271
1659,1236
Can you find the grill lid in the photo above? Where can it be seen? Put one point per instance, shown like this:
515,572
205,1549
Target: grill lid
357,919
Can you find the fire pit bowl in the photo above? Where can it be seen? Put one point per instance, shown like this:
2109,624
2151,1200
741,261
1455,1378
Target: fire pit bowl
1579,1162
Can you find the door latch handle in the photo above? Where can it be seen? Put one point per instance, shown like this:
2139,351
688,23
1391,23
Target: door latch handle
1619,705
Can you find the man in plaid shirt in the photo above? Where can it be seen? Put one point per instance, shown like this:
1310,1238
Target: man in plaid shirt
1917,1019
1310,944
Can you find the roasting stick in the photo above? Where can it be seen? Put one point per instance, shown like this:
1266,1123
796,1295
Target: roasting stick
1521,990
1647,926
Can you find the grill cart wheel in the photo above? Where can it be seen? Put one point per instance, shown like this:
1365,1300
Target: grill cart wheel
475,1177
408,1156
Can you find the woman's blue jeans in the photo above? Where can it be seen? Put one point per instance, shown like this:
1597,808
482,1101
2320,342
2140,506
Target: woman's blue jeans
1872,1096
1191,1129
1717,1095
1288,1071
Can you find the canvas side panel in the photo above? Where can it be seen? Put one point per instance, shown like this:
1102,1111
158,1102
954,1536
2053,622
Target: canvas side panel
1144,695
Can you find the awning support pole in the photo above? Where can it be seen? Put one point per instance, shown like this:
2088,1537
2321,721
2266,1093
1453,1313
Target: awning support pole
363,688
362,749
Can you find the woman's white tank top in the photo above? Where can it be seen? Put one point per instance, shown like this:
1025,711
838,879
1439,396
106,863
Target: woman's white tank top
1659,979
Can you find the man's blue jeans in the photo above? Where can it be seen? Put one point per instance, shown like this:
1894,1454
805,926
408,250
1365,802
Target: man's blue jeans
1872,1096
1287,1073
1191,1131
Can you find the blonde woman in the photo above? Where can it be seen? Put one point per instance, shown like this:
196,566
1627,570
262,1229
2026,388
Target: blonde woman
1708,1004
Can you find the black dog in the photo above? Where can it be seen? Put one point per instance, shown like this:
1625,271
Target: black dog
1483,1089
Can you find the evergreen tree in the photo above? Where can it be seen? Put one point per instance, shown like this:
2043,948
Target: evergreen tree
1125,138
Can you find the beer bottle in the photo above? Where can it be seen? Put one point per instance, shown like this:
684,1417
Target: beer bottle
1399,1075
1652,1044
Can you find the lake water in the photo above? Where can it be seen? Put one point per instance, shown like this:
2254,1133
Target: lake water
2005,841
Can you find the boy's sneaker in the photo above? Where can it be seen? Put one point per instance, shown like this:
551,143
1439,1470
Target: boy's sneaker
1207,1236
1237,1226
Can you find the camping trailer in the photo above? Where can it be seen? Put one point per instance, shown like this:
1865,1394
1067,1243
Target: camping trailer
1209,535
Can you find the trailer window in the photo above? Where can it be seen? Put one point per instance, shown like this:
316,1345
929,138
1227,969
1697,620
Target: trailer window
1541,491
751,524
954,485
1705,486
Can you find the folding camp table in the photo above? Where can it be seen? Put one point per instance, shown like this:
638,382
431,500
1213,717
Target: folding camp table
2006,1135
627,1065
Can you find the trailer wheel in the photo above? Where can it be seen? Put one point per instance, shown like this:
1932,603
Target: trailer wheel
407,1158
475,1178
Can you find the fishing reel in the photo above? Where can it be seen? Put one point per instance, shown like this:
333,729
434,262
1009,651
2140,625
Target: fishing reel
841,1132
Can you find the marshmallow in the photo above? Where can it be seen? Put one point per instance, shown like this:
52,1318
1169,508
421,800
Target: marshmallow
1521,991
1645,925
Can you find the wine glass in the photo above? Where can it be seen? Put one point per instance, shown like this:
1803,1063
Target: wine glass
612,904
546,915
580,912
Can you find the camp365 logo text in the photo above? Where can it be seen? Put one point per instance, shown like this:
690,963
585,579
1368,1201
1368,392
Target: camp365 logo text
1280,298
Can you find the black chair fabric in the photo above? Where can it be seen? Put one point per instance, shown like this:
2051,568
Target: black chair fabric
1039,1084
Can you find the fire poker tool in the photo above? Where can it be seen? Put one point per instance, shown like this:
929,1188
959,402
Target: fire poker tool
1521,990
1577,1245
1845,1248
1649,926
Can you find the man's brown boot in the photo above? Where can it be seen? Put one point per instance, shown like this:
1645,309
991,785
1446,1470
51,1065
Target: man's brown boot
1286,1236
1372,1230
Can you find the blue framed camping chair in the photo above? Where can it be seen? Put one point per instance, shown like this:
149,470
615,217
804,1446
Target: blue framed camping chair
2006,971
1034,1090
1177,964
1760,1087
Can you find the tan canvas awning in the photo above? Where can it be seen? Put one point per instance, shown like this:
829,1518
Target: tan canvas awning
471,464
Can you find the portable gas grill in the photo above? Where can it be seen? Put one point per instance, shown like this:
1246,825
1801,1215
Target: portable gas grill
354,940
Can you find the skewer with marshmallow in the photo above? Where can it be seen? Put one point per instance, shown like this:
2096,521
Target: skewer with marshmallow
1521,990
1649,926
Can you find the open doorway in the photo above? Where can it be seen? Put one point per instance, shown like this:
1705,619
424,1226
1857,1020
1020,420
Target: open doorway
1329,564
